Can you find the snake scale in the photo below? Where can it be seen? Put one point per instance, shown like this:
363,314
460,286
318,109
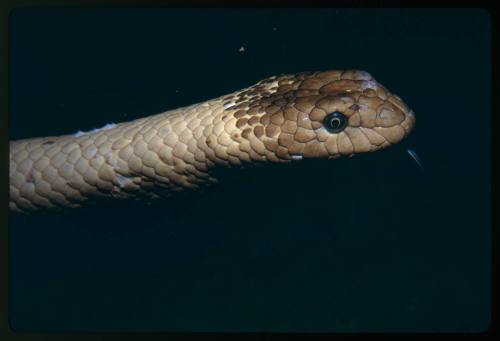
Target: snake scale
280,119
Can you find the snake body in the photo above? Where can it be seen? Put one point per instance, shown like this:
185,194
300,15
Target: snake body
279,119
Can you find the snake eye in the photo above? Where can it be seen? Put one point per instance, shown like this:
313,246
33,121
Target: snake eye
335,122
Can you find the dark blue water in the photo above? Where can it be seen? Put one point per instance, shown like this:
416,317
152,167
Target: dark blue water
371,243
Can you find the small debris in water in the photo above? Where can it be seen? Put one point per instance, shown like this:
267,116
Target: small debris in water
242,49
415,157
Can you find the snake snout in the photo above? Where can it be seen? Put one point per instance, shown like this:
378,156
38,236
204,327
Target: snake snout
409,123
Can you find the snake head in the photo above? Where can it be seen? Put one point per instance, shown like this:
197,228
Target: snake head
321,115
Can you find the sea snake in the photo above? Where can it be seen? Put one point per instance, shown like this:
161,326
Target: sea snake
280,119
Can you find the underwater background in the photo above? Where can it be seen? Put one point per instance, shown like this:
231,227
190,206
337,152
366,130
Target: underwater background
371,243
